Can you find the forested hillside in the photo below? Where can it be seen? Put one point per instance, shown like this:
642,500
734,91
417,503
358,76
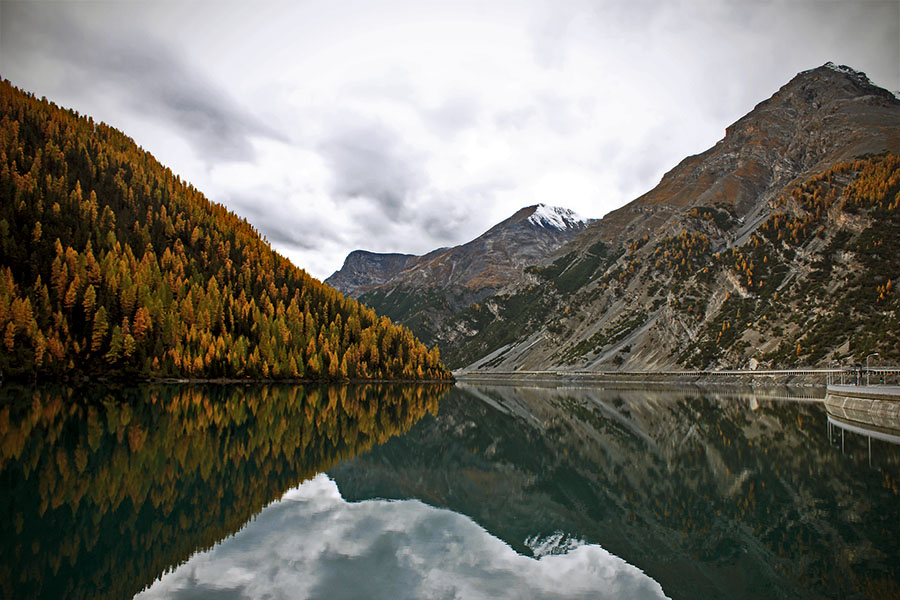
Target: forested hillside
111,265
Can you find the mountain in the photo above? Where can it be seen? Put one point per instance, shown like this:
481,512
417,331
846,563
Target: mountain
423,292
820,118
111,265
364,271
778,246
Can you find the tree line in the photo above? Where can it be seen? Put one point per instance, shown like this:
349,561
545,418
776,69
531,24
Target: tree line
110,264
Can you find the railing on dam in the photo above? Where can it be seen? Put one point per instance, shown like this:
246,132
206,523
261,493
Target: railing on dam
833,376
864,376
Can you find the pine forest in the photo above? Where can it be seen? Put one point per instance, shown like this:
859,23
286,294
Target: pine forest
111,265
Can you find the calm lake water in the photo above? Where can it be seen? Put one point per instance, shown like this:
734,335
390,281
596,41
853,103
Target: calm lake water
478,491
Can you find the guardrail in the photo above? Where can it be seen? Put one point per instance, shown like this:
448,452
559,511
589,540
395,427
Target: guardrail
846,375
863,375
563,373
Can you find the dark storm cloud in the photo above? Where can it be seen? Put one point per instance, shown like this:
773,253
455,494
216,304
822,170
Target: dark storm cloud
370,160
145,74
295,229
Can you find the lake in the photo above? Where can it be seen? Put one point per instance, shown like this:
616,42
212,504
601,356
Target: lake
426,491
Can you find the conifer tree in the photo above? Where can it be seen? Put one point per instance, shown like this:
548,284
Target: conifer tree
145,272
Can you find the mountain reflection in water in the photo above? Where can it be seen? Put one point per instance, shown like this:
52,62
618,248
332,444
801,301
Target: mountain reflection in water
504,491
313,544
713,495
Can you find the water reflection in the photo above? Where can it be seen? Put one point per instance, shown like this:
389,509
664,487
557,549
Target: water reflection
106,488
503,492
865,426
712,495
313,544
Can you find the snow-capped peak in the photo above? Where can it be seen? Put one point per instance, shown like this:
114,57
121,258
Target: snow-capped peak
840,68
556,217
859,75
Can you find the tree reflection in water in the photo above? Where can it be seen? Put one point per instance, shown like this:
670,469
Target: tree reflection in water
105,488
713,495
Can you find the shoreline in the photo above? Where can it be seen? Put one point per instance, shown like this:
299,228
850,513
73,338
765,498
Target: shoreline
661,379
210,381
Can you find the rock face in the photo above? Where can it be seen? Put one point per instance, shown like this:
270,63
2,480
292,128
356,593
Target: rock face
424,291
780,245
497,257
821,117
777,247
363,271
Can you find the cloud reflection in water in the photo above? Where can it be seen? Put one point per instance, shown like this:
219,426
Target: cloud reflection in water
313,544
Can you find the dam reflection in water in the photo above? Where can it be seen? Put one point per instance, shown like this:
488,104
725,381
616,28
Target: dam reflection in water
874,422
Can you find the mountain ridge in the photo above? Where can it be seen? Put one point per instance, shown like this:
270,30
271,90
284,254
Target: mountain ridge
725,181
428,290
364,271
793,212
787,163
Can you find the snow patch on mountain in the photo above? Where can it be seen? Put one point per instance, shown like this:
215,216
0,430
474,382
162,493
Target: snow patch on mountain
556,217
858,75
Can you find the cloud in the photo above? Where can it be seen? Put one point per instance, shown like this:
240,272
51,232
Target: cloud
299,231
369,159
313,544
453,115
407,126
136,68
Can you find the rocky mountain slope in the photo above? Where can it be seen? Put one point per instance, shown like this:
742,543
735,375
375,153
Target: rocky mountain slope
820,118
364,271
423,292
779,246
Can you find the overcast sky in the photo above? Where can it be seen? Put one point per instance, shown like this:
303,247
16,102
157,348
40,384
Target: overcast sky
405,126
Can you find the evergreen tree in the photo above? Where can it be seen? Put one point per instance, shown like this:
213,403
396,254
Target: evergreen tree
147,274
